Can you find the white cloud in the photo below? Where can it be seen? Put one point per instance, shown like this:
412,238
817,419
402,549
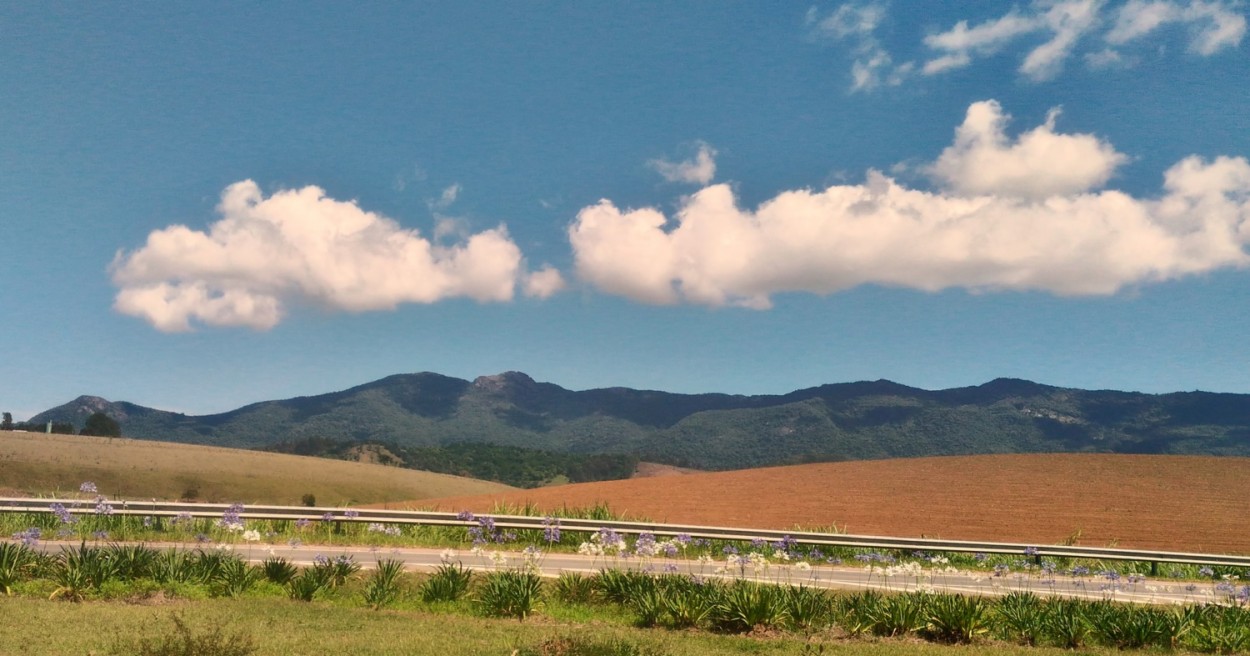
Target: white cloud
1013,237
543,283
300,246
446,198
1039,163
857,24
1213,25
1066,22
698,170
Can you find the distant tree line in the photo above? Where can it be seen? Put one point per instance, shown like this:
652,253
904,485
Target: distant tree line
510,465
98,424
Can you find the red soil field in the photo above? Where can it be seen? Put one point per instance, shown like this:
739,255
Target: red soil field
1180,503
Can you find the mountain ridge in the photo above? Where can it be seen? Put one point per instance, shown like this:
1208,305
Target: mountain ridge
834,421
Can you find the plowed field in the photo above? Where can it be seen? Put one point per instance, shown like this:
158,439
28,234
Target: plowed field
1161,502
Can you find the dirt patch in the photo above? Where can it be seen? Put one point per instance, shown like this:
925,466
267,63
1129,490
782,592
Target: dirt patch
1179,503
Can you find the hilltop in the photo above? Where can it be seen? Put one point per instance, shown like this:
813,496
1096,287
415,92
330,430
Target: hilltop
843,421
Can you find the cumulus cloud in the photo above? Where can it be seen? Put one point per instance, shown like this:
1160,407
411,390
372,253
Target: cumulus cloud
1054,235
698,170
857,24
1039,163
300,246
1213,26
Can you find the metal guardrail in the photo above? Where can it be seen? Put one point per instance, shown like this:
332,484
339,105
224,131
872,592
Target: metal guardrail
168,509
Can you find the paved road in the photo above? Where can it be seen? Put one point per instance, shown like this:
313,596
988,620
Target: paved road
1151,591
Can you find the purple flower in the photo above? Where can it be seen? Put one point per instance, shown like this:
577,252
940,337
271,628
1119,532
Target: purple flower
328,517
62,514
1206,571
202,538
87,487
182,517
758,543
1080,570
352,514
321,561
1031,551
980,557
28,537
465,516
102,506
551,529
232,518
729,550
100,535
302,522
670,569
295,543
683,538
834,560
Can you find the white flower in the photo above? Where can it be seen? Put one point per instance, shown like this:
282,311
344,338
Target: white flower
448,555
251,536
803,566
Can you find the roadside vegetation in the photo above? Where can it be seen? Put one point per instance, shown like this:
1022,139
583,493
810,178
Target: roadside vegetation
271,607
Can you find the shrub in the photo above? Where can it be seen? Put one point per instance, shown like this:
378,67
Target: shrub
688,603
17,561
857,613
80,571
306,586
956,618
308,500
1065,622
234,577
279,570
183,641
135,561
745,605
448,583
900,614
510,593
806,607
383,585
1021,617
574,588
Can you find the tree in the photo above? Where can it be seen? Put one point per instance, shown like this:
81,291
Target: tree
7,422
101,425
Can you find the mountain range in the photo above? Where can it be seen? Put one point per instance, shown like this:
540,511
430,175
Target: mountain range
843,421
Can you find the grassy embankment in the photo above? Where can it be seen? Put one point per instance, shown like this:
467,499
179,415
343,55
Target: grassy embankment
46,465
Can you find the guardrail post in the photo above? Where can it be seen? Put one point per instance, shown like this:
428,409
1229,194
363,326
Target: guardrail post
1154,568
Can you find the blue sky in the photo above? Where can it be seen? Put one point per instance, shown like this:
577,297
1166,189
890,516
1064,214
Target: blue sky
205,206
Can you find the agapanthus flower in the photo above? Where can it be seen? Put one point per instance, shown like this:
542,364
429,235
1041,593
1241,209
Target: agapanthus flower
62,514
87,487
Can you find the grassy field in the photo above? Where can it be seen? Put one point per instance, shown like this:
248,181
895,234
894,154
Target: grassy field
1184,503
39,464
282,627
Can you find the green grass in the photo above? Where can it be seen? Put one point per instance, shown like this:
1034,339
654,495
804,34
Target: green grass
283,627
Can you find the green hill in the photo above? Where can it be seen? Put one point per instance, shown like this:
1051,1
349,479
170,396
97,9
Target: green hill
844,421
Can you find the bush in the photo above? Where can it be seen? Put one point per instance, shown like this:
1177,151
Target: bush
574,588
956,618
16,562
183,641
745,605
510,593
383,586
308,500
448,583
